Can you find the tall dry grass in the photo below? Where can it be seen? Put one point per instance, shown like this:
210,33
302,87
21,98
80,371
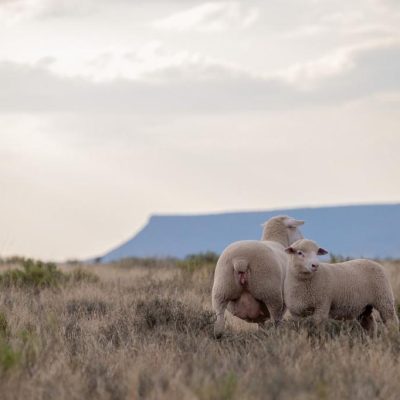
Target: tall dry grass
145,332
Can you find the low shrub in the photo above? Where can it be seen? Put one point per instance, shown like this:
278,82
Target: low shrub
36,274
8,356
193,262
148,262
40,275
4,329
336,258
30,346
222,388
12,260
83,275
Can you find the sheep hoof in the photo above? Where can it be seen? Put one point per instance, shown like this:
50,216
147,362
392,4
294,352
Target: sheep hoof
218,333
219,326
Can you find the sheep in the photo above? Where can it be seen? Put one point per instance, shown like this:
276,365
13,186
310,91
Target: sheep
343,291
249,275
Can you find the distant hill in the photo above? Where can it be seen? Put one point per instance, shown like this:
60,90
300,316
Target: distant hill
355,231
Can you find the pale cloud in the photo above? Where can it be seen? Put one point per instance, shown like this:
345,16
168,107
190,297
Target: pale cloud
199,86
345,62
308,75
386,5
210,17
343,18
373,18
146,61
17,11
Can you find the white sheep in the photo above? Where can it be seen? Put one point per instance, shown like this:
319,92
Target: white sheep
250,274
347,290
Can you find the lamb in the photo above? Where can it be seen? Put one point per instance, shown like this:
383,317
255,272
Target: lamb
347,290
250,274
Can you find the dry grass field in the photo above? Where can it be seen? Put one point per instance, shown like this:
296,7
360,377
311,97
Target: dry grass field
127,331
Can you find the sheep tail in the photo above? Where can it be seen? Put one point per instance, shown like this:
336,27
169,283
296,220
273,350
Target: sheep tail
240,265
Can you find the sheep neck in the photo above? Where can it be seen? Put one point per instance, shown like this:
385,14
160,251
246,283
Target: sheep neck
276,234
300,276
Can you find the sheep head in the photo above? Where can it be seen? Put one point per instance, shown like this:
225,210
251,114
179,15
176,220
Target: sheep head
305,256
282,229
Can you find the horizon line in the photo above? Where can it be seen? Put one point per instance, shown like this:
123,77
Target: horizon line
248,211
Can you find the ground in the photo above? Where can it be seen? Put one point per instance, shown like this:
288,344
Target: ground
131,331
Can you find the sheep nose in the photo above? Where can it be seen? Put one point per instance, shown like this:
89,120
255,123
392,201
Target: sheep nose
315,266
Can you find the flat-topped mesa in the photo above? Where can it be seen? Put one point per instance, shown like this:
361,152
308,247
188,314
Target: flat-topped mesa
282,229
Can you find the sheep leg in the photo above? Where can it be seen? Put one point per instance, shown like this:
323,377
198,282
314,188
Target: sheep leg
369,324
265,315
321,312
219,325
367,321
275,308
388,315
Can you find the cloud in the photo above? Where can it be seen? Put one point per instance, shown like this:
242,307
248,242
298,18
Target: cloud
355,72
193,87
19,10
14,11
388,4
151,60
210,17
350,20
203,86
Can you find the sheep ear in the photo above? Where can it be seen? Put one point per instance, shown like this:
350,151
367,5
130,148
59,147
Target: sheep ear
321,252
293,223
290,250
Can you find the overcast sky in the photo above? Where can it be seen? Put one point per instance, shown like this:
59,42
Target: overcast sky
111,111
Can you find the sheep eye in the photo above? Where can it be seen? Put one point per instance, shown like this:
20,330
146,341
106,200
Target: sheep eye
300,253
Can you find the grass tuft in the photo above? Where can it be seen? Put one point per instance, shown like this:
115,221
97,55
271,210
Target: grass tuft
87,308
168,313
